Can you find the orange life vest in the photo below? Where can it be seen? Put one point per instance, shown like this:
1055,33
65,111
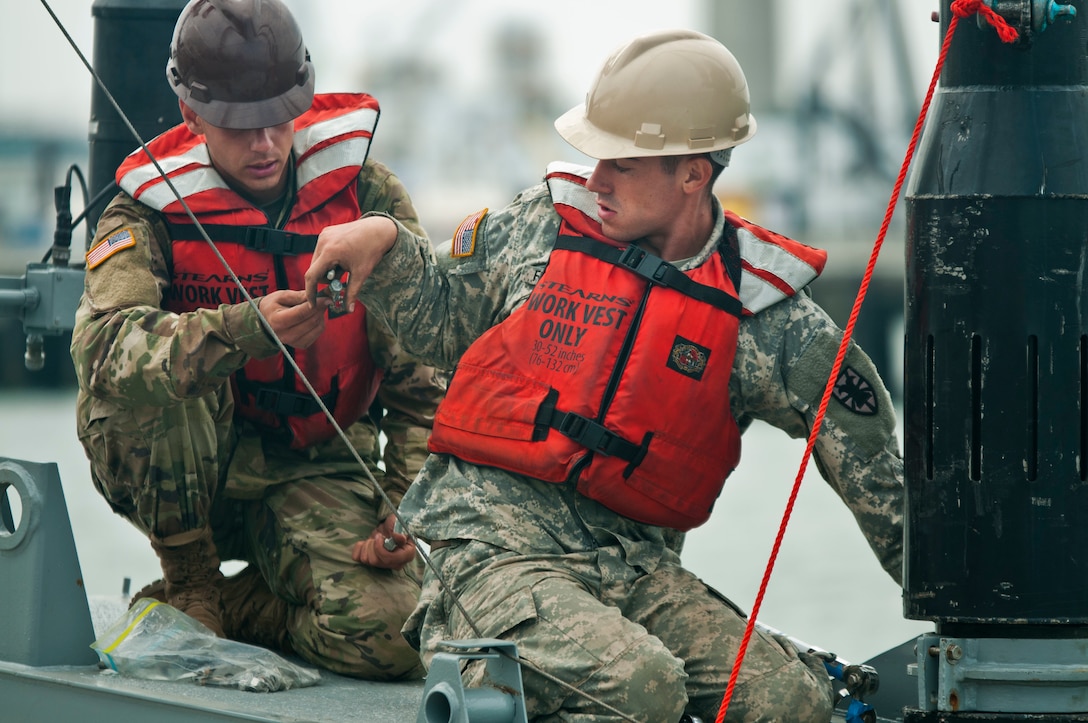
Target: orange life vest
613,374
332,140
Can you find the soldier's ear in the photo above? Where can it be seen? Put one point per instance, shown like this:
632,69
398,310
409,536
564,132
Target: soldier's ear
192,121
697,173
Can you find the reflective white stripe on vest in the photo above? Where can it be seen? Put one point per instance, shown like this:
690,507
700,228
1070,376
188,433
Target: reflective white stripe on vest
137,177
204,178
330,158
571,193
363,119
159,196
348,153
756,293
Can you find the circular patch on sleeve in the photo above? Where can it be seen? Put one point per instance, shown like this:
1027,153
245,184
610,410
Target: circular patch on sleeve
855,392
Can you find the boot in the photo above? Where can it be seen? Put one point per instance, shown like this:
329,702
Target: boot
191,577
252,613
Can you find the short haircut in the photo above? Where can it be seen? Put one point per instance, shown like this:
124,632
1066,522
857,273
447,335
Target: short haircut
669,164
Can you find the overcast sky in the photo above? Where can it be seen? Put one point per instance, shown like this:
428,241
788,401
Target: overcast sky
43,84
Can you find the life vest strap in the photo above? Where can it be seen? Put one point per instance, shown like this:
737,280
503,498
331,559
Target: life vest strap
653,269
729,250
585,431
292,404
255,238
594,437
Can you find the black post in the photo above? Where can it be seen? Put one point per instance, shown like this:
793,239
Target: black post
996,365
131,47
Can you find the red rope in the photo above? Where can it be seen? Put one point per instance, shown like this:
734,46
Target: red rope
963,8
1008,34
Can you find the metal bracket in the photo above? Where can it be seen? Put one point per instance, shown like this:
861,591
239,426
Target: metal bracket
1007,675
45,299
1029,15
501,698
47,619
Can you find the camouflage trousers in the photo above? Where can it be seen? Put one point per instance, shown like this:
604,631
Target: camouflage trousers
169,470
651,645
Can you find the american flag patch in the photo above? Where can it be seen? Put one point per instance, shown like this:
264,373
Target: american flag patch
118,241
464,238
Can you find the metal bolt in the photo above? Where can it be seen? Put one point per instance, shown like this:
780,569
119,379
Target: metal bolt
954,653
1047,11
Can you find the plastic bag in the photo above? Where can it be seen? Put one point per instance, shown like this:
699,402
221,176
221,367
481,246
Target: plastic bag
155,641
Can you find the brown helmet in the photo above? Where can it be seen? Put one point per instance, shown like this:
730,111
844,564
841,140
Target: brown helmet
240,63
668,93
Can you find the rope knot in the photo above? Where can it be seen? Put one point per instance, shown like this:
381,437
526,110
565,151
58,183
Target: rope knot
964,8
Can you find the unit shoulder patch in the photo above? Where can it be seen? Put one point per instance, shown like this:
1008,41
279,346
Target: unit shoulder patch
464,238
119,240
855,392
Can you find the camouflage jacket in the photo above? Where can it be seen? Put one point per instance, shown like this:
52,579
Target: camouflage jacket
439,303
129,352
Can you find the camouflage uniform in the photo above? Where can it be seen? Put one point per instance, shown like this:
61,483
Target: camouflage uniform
155,416
594,598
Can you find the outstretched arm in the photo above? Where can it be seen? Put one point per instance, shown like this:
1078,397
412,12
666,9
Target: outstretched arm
438,302
783,361
355,247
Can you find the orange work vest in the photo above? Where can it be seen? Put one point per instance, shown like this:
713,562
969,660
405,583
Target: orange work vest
332,140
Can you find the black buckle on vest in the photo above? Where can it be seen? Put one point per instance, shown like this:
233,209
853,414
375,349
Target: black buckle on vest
631,257
587,432
594,436
573,425
644,264
278,242
292,404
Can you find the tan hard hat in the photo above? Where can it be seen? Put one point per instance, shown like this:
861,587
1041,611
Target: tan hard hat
240,63
664,94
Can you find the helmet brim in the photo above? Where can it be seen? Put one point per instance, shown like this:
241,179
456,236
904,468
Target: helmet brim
255,114
578,131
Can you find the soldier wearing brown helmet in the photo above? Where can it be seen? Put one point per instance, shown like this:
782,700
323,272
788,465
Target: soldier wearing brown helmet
198,429
614,332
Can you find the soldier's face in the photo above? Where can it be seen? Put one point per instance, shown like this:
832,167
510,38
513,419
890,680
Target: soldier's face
636,198
253,161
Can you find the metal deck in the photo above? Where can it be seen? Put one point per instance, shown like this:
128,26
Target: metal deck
85,693
49,674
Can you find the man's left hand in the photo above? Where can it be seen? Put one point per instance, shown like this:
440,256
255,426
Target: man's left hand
373,551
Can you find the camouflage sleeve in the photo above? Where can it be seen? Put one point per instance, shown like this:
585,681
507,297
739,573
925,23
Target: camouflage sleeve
410,391
409,394
380,190
439,301
127,348
784,358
